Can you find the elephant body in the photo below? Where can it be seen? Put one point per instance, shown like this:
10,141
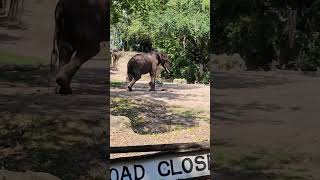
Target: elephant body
116,55
144,63
80,26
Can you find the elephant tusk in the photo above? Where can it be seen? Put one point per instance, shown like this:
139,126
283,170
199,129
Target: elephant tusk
167,70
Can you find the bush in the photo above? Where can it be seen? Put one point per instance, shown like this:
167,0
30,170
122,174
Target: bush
310,54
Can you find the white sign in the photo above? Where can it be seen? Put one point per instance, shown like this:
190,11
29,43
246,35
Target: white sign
162,168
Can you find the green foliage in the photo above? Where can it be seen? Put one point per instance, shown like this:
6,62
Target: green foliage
309,59
261,30
11,58
178,27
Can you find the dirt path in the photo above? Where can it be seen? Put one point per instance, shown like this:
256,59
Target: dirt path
34,37
62,135
42,131
267,123
180,113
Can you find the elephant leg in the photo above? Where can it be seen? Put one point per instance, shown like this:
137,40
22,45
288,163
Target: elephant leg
65,54
129,78
113,59
152,83
133,80
68,70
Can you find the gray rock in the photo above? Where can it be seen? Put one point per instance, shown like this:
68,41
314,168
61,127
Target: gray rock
180,81
28,175
227,62
120,123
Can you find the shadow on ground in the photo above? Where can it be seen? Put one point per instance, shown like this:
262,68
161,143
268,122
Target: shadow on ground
141,89
264,109
233,162
149,116
148,110
62,135
232,80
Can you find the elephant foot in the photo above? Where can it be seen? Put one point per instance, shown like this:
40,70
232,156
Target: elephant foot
64,86
129,88
152,86
65,91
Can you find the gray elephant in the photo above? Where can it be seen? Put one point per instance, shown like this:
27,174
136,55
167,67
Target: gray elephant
116,55
144,63
80,26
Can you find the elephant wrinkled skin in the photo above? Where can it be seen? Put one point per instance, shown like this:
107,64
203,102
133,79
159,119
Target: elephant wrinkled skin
144,63
80,26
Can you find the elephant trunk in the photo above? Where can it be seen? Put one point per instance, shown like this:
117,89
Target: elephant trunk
168,72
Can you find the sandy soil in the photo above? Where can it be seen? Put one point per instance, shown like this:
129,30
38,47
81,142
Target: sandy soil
42,131
190,96
273,111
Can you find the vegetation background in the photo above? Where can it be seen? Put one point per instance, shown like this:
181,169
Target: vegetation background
178,27
265,119
262,31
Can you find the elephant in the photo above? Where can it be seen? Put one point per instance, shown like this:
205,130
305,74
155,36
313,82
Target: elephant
80,27
144,63
116,55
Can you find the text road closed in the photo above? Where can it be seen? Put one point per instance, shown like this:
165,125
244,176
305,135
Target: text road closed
166,167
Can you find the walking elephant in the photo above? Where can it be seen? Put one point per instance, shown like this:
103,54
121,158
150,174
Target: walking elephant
80,26
115,56
144,63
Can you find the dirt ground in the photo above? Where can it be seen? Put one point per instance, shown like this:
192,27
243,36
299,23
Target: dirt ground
45,132
66,135
178,114
266,125
39,130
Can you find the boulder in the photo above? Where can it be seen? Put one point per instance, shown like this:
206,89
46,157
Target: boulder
180,81
28,175
120,123
227,62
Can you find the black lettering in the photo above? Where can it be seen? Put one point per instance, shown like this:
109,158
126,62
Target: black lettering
174,173
159,168
197,161
136,173
125,170
184,166
115,170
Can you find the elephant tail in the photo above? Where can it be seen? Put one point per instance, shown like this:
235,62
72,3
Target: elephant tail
129,74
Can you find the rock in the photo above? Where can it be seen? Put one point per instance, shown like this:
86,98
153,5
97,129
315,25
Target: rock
227,62
28,175
180,81
120,123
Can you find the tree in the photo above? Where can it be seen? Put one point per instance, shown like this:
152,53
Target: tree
262,31
177,27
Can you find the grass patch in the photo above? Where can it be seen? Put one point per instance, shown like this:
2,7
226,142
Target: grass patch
23,69
67,147
37,77
11,58
117,84
250,162
151,117
190,113
131,109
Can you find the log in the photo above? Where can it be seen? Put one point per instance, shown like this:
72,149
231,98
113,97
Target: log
161,147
